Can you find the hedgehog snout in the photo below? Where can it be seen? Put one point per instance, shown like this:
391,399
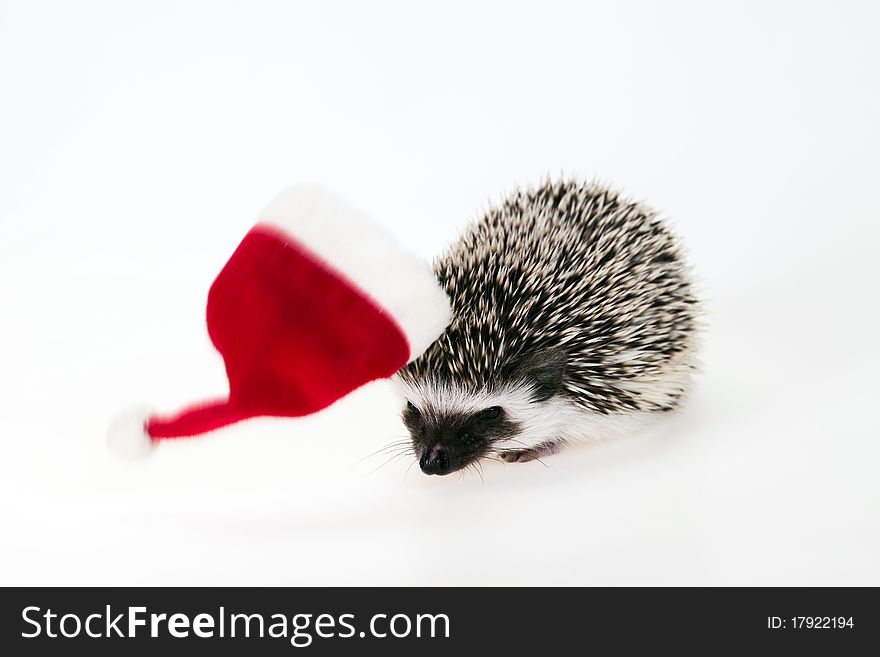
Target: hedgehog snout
449,440
435,460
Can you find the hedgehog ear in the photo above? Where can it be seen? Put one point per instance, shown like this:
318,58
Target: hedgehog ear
543,370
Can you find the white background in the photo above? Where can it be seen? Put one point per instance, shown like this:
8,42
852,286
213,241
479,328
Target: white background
139,140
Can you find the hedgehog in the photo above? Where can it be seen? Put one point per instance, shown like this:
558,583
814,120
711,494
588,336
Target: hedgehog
574,318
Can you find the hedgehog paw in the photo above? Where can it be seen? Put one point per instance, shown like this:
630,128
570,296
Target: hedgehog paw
530,454
518,456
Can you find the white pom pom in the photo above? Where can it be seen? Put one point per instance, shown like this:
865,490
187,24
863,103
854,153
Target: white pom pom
127,436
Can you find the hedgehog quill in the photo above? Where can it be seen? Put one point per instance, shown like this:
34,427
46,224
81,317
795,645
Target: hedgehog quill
573,318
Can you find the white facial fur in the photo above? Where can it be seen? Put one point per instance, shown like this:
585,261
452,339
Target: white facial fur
554,420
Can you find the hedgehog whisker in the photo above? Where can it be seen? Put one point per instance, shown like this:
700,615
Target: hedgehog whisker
414,461
393,458
514,440
400,444
389,453
478,468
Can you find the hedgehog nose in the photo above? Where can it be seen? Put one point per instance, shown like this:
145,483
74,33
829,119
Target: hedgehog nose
435,460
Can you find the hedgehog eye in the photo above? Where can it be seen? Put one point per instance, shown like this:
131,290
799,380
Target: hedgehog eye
412,408
491,413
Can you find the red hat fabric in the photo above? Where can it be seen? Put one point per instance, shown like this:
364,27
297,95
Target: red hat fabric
315,302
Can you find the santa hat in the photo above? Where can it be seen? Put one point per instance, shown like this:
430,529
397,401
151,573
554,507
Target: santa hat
315,302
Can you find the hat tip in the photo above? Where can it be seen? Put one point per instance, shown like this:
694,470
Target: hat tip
127,435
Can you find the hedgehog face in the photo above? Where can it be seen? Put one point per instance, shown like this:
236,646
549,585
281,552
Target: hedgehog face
449,441
454,424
